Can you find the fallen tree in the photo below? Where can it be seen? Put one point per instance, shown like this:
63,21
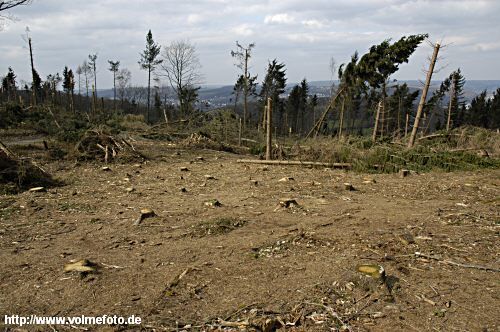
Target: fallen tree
19,173
98,145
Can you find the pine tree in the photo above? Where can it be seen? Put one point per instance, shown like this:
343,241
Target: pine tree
273,86
69,86
9,85
114,66
149,62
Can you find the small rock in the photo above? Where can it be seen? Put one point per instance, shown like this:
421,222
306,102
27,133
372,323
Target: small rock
184,169
37,189
209,177
130,189
200,158
106,169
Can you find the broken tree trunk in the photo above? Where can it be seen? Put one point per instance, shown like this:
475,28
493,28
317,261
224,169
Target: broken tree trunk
341,124
424,96
318,124
295,163
377,118
269,133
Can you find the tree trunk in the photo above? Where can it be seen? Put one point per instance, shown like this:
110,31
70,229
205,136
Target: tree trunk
424,96
33,88
149,91
452,96
245,92
114,90
377,117
269,130
341,124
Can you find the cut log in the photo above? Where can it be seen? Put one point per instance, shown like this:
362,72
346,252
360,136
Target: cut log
295,162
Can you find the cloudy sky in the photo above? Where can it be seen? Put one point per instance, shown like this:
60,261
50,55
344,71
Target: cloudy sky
304,34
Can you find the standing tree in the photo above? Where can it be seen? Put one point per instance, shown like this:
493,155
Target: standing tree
273,86
51,84
123,78
457,82
36,86
242,55
27,39
69,86
114,67
9,85
93,70
182,69
149,62
79,72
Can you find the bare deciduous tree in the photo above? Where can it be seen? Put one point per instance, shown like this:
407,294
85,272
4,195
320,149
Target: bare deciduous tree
5,6
123,77
181,66
9,4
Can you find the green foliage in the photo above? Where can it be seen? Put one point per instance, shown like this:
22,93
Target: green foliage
384,59
484,111
275,81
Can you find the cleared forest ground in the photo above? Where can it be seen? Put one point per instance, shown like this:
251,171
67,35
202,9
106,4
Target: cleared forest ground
253,263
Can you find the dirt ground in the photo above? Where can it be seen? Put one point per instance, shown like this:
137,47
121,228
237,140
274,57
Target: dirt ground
252,263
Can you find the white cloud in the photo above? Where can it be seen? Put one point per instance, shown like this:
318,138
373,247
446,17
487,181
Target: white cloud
314,24
243,30
65,32
279,19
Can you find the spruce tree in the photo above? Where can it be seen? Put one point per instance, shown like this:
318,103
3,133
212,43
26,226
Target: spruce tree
149,61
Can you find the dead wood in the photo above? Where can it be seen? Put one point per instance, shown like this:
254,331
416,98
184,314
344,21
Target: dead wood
96,144
295,162
467,266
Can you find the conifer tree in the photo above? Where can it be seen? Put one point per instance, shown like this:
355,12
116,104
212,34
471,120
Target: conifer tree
114,66
149,61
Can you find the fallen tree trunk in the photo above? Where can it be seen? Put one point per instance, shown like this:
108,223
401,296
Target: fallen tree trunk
295,162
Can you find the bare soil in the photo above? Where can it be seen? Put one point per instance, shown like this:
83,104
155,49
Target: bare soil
253,263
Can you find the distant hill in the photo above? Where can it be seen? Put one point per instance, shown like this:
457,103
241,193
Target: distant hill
220,95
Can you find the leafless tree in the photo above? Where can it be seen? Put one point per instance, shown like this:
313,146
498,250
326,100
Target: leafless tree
9,4
242,55
6,5
182,67
123,77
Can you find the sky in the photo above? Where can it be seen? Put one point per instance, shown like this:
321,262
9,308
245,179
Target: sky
303,34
